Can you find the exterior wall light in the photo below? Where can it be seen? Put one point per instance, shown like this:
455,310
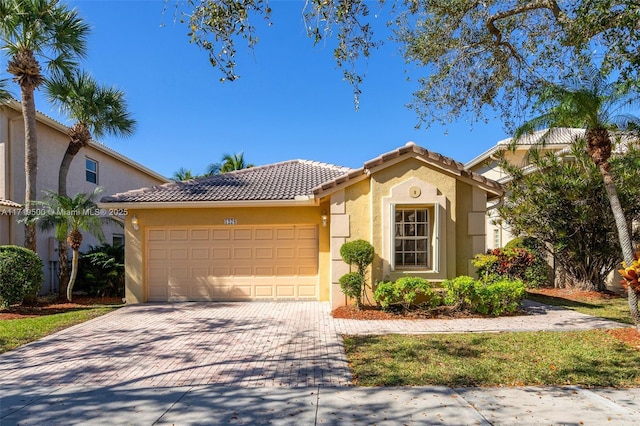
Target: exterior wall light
324,218
134,223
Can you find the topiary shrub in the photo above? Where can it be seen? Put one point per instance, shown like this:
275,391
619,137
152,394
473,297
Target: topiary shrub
406,291
358,253
351,285
21,275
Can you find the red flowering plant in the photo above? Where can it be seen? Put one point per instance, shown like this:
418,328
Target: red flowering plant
631,273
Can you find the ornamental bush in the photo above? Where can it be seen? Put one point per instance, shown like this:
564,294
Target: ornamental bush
488,298
358,253
514,263
21,275
405,292
351,285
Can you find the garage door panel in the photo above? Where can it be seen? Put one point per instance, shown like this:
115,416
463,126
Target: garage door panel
178,235
200,253
232,264
178,254
264,234
199,234
285,291
221,253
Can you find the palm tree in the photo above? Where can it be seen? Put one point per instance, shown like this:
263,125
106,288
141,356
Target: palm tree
69,216
5,96
96,111
183,174
32,31
233,162
592,103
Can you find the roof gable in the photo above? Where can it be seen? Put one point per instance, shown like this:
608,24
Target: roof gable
410,150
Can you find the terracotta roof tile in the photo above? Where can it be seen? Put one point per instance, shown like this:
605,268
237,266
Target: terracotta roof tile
280,181
9,203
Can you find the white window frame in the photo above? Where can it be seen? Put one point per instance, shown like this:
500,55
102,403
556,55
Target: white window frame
433,238
87,170
415,238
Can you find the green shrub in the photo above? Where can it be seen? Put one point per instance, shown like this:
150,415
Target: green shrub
515,263
489,298
539,273
358,253
405,292
351,285
499,297
101,271
21,275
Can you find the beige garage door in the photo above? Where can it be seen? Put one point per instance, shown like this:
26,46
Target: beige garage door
232,263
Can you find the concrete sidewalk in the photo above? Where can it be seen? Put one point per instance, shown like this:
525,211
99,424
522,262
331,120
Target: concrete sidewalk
233,405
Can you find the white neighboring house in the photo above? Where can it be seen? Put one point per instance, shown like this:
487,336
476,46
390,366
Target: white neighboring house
487,164
95,165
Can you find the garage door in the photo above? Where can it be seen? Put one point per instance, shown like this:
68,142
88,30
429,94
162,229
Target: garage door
232,263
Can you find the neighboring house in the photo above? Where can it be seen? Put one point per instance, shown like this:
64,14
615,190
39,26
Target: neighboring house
487,164
95,165
274,232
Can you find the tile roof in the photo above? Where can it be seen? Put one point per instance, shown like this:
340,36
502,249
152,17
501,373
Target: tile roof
429,157
280,181
9,203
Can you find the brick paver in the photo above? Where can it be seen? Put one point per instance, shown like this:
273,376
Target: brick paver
247,344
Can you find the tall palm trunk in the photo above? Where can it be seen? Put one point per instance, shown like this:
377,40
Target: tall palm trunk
599,148
30,159
75,241
63,256
74,274
623,236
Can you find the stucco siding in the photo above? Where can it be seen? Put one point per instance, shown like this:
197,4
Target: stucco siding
114,176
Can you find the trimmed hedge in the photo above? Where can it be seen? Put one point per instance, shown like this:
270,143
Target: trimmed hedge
406,291
488,298
21,275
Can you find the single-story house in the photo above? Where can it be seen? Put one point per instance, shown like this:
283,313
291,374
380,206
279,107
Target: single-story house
274,232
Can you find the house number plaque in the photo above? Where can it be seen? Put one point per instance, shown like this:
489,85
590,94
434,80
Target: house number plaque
231,221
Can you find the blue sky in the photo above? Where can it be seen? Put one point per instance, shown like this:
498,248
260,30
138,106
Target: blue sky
289,103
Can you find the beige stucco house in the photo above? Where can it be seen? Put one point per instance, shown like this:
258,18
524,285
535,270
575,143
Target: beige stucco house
515,153
95,165
274,232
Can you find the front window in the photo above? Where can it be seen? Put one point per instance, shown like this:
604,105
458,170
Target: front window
411,238
92,171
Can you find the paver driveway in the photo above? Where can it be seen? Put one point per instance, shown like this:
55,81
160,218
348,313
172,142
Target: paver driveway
159,345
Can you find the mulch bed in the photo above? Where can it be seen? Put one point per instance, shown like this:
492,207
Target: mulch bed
49,306
375,313
630,336
576,295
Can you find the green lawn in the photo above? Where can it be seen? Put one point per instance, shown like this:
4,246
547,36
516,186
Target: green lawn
586,358
616,309
17,332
